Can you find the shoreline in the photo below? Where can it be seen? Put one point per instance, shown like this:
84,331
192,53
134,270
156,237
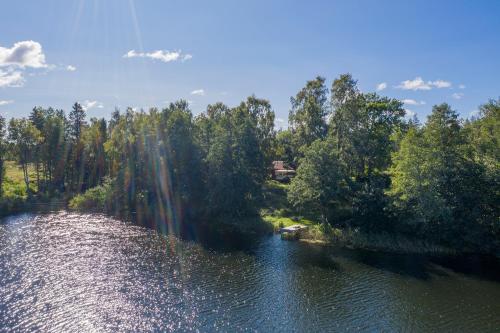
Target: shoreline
382,242
222,232
404,246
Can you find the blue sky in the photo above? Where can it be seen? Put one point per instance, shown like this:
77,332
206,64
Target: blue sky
56,52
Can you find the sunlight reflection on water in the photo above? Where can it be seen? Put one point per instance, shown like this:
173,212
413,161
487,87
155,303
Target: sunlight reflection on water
72,272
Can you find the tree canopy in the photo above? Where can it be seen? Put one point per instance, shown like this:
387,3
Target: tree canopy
359,163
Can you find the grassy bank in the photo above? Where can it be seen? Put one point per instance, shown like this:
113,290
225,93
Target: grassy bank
277,212
354,238
15,198
275,209
13,185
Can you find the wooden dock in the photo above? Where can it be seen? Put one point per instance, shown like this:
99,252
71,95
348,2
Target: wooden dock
293,228
292,232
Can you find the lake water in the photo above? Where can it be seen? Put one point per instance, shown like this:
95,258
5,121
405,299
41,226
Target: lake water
83,273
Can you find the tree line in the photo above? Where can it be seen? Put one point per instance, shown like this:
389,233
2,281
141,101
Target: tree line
160,165
360,163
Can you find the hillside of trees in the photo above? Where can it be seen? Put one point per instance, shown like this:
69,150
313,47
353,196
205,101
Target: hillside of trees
360,163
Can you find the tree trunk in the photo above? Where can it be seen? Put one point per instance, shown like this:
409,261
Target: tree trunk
26,177
37,166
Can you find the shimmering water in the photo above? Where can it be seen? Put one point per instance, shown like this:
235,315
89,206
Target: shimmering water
84,273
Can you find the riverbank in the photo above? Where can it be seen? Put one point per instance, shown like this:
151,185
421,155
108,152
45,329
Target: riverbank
355,239
15,198
277,213
32,204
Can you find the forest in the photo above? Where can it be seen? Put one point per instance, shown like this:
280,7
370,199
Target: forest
360,163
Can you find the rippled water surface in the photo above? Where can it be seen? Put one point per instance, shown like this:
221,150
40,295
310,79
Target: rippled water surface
66,272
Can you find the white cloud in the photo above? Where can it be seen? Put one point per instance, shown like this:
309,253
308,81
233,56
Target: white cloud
419,84
441,84
11,79
457,95
6,102
15,60
413,102
381,86
23,54
161,55
71,68
87,105
462,86
198,92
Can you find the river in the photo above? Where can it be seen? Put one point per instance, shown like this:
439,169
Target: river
64,272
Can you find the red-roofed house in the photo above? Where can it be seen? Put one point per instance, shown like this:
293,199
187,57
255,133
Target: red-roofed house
281,171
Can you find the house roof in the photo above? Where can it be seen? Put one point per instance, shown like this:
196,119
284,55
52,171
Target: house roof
281,167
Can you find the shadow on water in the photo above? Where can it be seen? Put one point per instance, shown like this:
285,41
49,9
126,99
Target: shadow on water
419,266
34,206
483,267
424,267
232,240
313,256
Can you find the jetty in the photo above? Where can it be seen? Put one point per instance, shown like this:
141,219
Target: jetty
292,232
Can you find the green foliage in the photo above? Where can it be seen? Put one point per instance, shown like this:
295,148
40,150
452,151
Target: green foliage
3,152
155,163
362,126
307,118
14,196
76,122
235,157
483,134
24,137
98,198
379,173
11,204
342,177
440,189
49,154
361,168
76,163
321,184
14,185
95,161
263,117
285,148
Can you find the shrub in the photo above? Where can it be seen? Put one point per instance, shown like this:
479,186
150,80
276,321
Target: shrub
10,205
96,198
